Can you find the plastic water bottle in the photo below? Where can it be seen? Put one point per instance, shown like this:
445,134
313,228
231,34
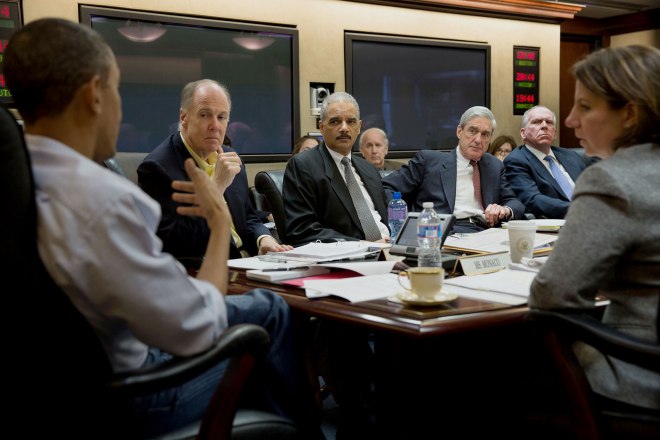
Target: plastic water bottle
397,211
428,237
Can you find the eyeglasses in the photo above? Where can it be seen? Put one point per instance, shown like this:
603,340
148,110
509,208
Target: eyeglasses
473,132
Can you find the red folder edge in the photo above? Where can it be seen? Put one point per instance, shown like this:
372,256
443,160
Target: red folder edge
334,275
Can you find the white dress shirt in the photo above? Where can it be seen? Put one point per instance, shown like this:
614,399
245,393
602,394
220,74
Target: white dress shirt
384,231
466,204
96,237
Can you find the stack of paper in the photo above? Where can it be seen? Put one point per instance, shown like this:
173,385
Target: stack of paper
545,224
491,240
506,286
318,252
280,274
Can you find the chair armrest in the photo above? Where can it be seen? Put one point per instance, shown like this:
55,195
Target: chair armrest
236,340
578,325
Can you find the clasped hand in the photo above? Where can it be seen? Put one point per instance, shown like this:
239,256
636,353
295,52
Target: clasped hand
496,213
227,167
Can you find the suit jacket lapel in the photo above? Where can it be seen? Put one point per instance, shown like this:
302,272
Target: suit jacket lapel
338,184
542,170
489,181
448,177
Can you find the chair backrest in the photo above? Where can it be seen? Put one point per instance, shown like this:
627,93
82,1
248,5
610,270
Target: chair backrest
54,378
385,173
592,417
126,164
269,183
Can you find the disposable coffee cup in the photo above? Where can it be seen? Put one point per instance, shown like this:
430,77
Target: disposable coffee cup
425,282
521,239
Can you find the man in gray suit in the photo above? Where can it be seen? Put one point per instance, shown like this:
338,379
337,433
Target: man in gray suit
532,174
449,179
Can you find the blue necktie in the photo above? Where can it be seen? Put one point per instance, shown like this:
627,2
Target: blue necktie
561,179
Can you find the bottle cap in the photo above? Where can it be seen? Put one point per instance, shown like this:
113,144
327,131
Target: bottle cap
397,195
427,205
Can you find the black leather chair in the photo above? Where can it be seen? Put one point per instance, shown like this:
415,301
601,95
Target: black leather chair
592,418
58,379
269,184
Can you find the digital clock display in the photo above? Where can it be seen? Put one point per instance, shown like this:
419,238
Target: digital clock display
10,21
525,78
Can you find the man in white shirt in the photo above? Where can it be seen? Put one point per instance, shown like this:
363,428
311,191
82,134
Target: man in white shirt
96,230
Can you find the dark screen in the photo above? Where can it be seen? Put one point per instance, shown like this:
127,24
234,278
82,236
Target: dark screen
263,83
416,90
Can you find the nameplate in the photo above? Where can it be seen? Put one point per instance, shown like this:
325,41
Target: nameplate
480,264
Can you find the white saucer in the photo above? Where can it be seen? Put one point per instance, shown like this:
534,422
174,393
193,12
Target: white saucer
412,299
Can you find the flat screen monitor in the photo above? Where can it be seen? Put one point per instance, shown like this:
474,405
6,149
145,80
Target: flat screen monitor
159,53
415,89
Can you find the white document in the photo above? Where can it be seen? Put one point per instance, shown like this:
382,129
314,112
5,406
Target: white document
325,250
258,263
355,289
492,240
529,264
483,295
546,224
281,274
274,274
508,282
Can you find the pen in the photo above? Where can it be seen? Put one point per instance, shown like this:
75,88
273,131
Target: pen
284,269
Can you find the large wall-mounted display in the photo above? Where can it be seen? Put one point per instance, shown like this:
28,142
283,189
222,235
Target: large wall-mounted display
415,89
159,53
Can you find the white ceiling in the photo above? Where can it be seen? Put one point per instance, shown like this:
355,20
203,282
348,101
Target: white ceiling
611,8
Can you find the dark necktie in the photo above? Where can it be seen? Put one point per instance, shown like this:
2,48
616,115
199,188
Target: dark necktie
560,177
371,231
476,181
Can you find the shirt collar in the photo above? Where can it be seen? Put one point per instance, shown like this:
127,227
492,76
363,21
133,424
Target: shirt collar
461,161
539,154
208,167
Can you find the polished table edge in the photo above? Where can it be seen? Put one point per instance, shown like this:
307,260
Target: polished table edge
460,315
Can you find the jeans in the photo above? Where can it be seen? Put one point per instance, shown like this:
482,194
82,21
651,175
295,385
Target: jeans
167,410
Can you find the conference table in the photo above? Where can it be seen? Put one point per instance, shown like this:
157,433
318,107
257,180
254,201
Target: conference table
468,352
383,315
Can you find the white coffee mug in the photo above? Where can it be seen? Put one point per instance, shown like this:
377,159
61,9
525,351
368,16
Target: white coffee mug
425,282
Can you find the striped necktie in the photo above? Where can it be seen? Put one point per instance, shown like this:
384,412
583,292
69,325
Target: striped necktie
371,231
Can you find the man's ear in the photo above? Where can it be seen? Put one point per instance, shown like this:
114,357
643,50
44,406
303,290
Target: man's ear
91,95
183,116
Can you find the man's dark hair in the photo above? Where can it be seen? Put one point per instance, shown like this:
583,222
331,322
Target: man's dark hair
47,60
